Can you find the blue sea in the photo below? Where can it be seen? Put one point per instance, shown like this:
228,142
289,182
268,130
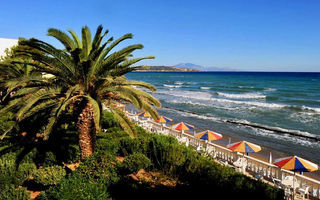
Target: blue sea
279,111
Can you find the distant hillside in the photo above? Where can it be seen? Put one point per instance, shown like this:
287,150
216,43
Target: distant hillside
190,66
167,68
201,68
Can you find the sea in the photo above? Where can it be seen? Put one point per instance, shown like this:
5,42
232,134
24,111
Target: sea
279,111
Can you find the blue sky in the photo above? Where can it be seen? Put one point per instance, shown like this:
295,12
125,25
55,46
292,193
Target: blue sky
254,35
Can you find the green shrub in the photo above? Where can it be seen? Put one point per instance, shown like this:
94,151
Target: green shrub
101,166
78,187
108,120
10,173
106,145
46,159
133,163
72,154
197,172
47,176
9,191
129,146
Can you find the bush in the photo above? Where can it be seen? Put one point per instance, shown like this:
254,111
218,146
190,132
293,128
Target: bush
46,159
196,172
106,145
133,163
108,120
129,146
9,191
48,176
100,167
78,187
72,154
10,173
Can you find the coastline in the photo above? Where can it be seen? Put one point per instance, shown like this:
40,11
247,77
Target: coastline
263,108
263,155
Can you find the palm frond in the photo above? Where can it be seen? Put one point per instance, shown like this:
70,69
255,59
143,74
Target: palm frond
51,122
142,84
63,38
75,38
124,121
86,42
34,98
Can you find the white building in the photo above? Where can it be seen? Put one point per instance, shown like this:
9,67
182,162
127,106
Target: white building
6,43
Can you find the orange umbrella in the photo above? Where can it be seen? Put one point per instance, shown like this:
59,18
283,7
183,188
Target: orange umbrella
209,135
183,127
163,119
295,163
144,114
244,147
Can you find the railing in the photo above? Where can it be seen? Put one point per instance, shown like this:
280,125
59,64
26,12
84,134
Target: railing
254,166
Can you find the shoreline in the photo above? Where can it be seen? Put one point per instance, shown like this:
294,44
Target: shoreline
258,163
294,133
262,155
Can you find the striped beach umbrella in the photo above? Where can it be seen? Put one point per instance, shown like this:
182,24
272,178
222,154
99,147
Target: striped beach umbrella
208,135
244,147
163,119
296,164
144,114
182,127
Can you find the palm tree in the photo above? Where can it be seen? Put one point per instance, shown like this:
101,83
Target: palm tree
86,74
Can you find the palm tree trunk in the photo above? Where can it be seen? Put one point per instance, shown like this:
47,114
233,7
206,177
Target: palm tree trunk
87,132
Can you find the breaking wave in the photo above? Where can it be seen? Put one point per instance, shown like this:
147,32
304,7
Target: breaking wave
242,96
172,86
294,133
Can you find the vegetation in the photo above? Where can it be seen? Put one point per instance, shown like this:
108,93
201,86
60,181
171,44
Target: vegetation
48,176
80,79
52,142
170,170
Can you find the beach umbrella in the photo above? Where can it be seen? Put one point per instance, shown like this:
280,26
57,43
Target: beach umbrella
296,164
163,119
182,127
244,147
208,135
144,114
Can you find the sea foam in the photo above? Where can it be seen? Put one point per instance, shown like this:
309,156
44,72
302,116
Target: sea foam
242,96
172,86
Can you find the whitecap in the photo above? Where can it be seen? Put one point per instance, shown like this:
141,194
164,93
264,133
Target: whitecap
206,96
242,96
172,86
178,83
205,88
270,89
187,94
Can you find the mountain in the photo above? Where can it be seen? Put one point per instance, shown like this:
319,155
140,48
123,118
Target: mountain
166,69
190,66
201,68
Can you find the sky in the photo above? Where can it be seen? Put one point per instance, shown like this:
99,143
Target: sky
248,35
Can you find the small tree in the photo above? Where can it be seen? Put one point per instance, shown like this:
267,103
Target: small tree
86,76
